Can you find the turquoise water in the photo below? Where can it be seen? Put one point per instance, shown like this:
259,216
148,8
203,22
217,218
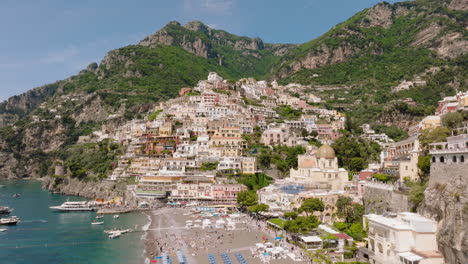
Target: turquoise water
47,237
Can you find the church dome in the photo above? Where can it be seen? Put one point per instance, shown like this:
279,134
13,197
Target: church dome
326,152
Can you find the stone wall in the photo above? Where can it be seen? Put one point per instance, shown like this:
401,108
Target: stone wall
380,199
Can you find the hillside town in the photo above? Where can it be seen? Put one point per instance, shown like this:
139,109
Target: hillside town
207,148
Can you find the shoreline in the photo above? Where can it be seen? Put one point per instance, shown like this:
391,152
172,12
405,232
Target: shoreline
145,237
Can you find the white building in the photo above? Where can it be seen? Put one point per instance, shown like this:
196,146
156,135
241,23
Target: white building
406,238
319,170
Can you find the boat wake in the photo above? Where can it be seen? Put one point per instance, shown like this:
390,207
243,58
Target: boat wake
33,221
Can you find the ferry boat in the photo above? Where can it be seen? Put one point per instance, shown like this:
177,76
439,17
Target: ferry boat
73,207
9,221
4,210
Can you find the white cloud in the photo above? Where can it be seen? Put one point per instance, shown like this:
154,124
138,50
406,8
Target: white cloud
61,55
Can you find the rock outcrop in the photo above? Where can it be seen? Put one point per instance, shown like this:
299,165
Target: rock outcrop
446,201
104,189
381,15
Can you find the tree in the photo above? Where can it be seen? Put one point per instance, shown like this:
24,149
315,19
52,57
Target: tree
347,148
264,159
258,208
452,120
356,231
247,198
301,224
290,215
428,136
357,164
311,205
255,181
348,211
424,165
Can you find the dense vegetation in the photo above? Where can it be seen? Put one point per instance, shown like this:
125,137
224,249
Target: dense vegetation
92,160
354,153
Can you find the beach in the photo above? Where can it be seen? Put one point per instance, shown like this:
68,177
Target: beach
168,233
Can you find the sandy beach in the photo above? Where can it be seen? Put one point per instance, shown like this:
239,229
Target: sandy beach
167,233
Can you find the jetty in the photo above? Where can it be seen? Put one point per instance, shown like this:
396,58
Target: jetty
120,210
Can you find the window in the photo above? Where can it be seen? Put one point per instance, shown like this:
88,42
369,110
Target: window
379,246
441,159
454,158
433,159
462,158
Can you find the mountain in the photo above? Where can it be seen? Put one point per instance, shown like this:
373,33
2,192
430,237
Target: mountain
353,67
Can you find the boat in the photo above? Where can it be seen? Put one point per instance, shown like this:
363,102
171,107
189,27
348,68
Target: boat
73,207
16,195
9,221
2,230
2,186
116,216
114,235
97,223
99,216
117,231
4,210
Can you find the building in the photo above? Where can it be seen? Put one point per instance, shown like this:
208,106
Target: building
328,198
319,170
401,239
449,157
275,136
401,158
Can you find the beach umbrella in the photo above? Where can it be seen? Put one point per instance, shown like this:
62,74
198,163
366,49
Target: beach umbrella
278,238
154,261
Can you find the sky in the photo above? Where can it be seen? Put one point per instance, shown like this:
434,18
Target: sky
49,40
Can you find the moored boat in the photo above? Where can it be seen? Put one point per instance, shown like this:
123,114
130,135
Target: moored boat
116,216
4,210
2,230
97,223
9,221
73,207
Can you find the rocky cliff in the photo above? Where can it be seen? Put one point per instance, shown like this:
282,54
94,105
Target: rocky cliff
446,201
434,25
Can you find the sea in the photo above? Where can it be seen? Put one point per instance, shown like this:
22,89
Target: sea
47,237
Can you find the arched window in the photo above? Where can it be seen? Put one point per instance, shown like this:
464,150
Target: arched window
462,158
442,159
454,158
433,160
379,246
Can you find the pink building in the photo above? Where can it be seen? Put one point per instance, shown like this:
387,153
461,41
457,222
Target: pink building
226,192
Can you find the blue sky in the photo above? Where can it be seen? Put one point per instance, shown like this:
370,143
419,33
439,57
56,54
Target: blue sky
48,40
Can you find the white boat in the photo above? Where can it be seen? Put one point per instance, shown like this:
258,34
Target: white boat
73,207
2,230
99,216
116,216
97,223
9,221
114,235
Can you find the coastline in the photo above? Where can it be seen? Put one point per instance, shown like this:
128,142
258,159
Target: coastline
149,237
